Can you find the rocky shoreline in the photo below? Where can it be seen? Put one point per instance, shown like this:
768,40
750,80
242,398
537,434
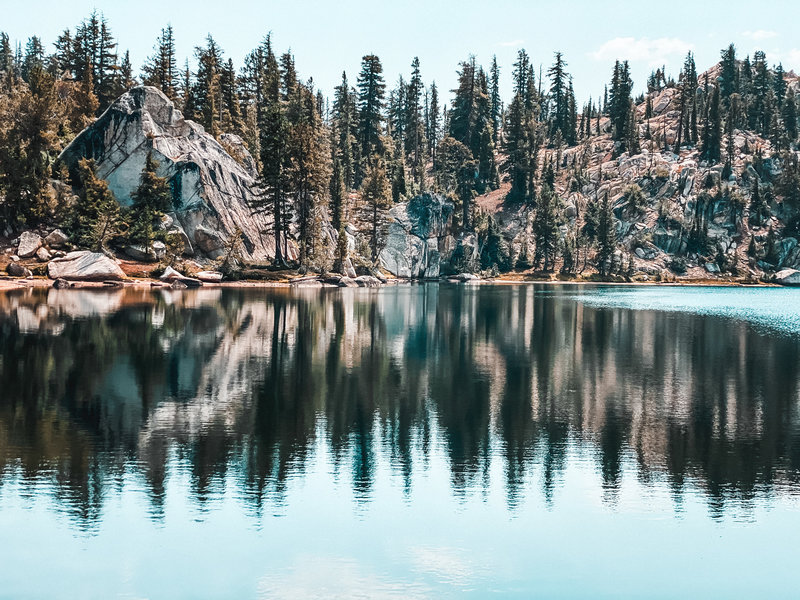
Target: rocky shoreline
334,281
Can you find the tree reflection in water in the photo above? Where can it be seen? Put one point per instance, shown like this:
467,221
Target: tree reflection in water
247,385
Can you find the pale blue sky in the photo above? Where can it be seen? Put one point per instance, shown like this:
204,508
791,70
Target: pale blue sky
327,37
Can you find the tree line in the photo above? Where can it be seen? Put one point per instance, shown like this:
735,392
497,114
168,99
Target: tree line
348,158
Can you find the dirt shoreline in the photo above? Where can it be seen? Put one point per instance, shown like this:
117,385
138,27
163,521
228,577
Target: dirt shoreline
9,283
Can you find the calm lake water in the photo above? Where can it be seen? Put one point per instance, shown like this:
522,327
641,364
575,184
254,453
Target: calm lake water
425,441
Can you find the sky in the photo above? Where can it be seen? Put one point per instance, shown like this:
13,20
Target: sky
329,37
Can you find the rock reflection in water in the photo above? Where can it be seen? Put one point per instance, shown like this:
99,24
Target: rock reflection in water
244,387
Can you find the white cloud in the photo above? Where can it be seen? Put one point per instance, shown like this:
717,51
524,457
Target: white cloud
791,59
317,576
760,34
511,44
654,52
447,564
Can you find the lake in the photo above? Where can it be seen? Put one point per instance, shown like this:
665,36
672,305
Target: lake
414,441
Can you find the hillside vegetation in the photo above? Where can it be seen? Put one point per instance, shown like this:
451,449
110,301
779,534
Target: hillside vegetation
696,177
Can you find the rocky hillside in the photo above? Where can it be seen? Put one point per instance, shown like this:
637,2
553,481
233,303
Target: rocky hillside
212,191
676,216
688,221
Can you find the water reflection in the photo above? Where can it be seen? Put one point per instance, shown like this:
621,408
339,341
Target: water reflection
247,387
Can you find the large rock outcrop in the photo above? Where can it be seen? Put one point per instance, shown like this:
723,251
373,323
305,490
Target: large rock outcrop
211,190
417,236
85,266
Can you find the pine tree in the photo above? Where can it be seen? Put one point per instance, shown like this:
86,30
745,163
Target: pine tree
84,104
688,105
463,115
206,91
273,130
632,131
161,70
779,84
187,101
415,134
34,57
759,207
231,113
126,78
559,99
7,54
375,197
345,124
729,73
455,173
519,146
371,91
606,236
396,171
620,100
151,199
307,170
712,132
94,49
571,136
545,227
496,101
30,117
96,217
524,86
338,195
396,112
759,114
106,72
61,61
495,254
482,142
434,124
790,116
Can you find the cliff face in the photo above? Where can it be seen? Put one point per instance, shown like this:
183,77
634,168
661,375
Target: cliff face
692,218
417,237
211,190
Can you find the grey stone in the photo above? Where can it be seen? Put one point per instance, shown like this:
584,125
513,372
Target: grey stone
367,281
159,250
347,282
209,241
170,274
349,270
84,266
785,250
56,239
29,243
465,277
139,253
209,276
213,190
416,230
340,281
712,267
43,255
17,270
788,277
